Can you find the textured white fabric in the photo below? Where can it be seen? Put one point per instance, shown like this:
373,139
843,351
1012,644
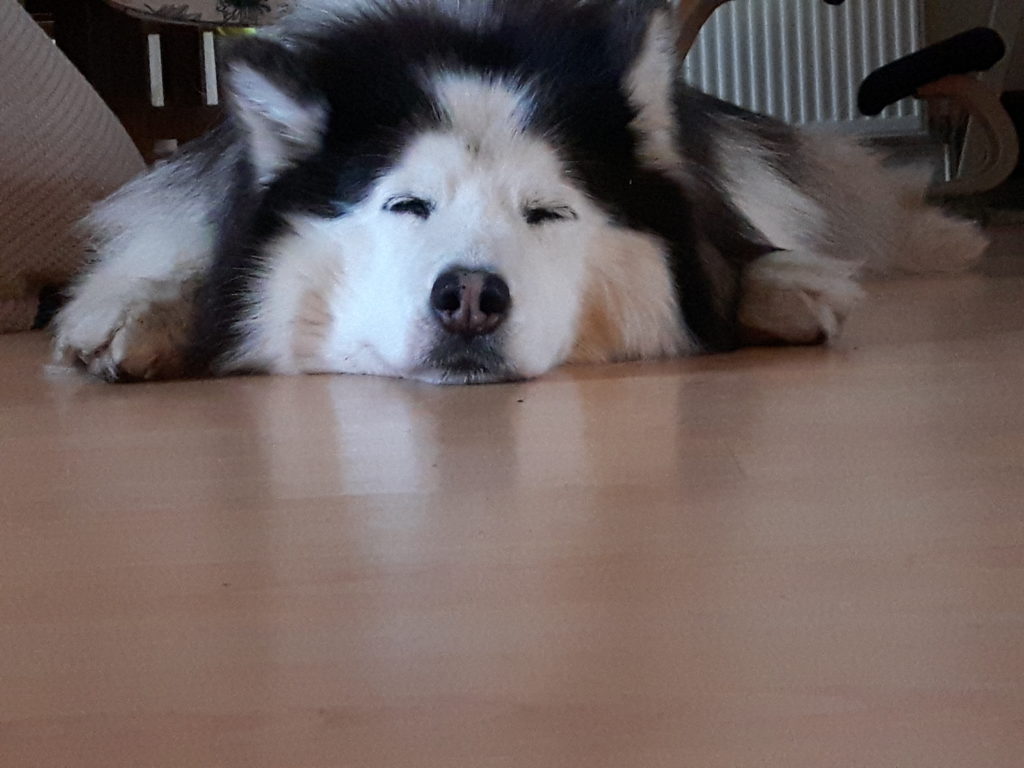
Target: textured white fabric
61,149
221,13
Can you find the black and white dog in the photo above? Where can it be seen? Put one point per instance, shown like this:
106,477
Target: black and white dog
480,191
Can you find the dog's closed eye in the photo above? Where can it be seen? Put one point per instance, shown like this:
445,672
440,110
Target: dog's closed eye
541,214
415,206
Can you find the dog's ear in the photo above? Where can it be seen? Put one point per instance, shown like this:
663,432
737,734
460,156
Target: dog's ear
282,114
651,77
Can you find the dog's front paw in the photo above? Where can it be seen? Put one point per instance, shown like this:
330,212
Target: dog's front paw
796,298
138,342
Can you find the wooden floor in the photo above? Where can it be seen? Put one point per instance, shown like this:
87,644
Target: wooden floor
779,558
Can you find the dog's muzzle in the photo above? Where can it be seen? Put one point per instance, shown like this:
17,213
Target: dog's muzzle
469,307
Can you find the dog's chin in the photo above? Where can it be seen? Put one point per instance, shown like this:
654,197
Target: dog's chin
454,360
456,377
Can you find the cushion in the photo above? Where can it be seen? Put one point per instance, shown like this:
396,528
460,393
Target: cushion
61,149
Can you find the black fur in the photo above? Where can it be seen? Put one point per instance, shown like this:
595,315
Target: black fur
368,75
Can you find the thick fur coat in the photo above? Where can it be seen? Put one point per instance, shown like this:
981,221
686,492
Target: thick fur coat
480,192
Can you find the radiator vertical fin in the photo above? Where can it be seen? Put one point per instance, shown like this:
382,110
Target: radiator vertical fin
802,61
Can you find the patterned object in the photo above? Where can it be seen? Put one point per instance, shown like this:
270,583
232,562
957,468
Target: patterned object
61,149
218,13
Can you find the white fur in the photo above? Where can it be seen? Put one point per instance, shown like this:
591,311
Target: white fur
798,297
629,286
784,214
373,270
351,294
152,245
857,215
851,216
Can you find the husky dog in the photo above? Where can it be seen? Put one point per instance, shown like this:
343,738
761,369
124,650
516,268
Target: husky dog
482,191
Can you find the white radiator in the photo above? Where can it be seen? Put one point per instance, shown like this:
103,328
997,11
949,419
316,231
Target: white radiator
802,60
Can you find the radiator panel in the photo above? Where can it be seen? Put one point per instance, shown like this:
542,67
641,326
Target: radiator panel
802,60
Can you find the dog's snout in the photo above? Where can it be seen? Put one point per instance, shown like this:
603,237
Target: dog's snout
470,302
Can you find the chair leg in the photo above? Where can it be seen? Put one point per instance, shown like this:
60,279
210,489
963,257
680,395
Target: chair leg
1007,19
989,119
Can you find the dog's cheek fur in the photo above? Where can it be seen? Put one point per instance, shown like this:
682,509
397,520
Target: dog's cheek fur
331,297
629,308
546,280
286,316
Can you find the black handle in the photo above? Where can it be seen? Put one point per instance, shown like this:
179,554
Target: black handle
973,51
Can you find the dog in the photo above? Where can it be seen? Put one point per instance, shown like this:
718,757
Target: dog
480,192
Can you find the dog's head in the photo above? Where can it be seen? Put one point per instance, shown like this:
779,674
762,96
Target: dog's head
448,200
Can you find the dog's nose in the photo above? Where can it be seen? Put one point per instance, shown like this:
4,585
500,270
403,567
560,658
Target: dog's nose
470,302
